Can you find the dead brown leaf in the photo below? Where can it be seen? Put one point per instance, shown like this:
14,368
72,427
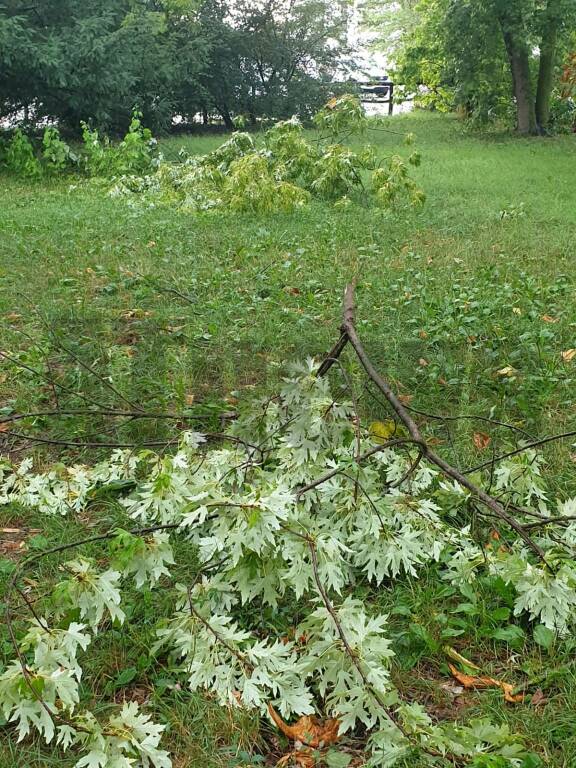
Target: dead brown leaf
308,730
452,689
538,698
423,362
549,319
301,758
476,682
13,541
568,355
135,314
481,440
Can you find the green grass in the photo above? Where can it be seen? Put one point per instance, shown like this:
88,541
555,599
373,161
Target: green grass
180,311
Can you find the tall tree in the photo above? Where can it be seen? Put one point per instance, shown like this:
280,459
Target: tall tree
468,51
276,57
552,24
513,18
97,59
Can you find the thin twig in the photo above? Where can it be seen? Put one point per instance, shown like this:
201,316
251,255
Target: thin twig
51,381
112,412
535,444
347,647
92,371
236,653
366,455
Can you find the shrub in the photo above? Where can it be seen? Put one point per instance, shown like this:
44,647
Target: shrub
20,157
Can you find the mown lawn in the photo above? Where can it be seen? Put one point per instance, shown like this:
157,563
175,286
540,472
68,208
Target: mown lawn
467,303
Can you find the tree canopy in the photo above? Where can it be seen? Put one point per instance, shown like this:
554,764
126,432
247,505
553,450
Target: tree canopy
489,58
98,59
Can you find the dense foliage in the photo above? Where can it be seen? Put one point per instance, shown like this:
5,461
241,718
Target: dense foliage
492,59
96,60
98,156
284,172
297,515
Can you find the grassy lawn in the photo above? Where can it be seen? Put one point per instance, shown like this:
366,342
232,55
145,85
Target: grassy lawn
178,312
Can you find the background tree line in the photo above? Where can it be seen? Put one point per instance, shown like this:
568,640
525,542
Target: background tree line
490,59
96,60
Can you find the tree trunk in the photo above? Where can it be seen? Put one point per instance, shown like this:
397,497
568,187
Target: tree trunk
518,56
547,61
228,122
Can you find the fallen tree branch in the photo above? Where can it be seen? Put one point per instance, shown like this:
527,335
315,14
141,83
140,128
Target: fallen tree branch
114,413
350,335
349,651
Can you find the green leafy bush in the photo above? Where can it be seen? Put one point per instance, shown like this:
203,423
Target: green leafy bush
133,155
56,154
20,158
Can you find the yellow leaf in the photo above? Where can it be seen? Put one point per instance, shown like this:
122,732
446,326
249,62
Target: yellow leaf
568,355
381,431
453,653
507,371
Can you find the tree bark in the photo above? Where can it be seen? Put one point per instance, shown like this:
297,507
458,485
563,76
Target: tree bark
547,61
228,122
519,58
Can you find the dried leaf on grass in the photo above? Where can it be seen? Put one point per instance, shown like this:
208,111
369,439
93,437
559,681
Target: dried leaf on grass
453,654
14,541
476,682
308,730
538,698
304,759
508,370
481,440
308,733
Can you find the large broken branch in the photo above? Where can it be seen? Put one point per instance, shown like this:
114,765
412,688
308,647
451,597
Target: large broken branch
349,335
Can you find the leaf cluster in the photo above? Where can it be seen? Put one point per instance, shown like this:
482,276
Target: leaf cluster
298,514
285,173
